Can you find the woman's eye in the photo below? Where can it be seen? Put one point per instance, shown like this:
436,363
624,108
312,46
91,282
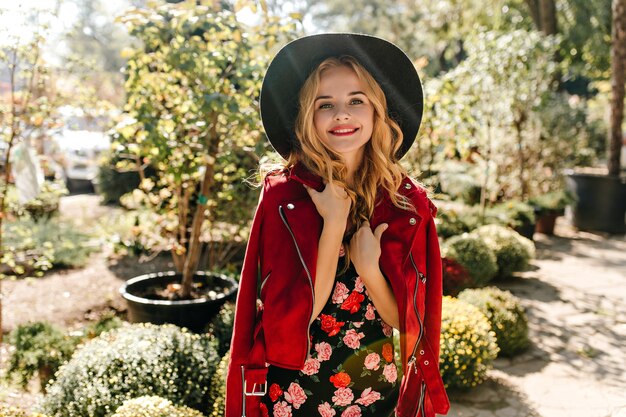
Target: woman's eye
325,106
357,100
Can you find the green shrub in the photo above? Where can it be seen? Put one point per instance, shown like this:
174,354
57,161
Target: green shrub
513,251
553,202
468,345
33,247
222,327
130,362
506,315
154,406
512,214
44,206
217,395
470,251
108,321
39,348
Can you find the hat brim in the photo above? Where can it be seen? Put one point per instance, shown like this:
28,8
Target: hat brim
291,66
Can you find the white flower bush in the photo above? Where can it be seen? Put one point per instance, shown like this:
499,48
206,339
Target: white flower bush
133,361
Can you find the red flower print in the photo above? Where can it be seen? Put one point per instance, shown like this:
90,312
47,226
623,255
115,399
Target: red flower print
330,325
326,410
295,395
353,302
388,352
264,411
343,397
282,409
340,380
275,392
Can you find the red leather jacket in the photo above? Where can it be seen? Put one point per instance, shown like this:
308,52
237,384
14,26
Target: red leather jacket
281,254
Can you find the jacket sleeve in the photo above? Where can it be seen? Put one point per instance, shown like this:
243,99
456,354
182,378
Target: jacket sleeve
245,317
434,288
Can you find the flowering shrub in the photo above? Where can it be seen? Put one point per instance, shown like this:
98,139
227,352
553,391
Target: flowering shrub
468,345
455,277
154,406
10,411
471,251
513,251
217,395
506,315
130,362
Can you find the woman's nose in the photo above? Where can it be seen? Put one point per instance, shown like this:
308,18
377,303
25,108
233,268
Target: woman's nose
342,113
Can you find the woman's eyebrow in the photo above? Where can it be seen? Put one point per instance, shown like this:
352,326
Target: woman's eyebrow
350,94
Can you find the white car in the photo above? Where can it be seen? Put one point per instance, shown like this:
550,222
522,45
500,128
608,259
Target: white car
79,151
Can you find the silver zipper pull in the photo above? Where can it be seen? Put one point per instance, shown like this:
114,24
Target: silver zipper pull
411,362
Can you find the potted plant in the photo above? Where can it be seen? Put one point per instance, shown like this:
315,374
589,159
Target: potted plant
548,207
191,116
601,196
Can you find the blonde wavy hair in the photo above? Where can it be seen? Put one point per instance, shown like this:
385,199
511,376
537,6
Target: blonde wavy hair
379,166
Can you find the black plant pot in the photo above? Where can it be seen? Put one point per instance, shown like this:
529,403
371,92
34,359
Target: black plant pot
192,314
601,204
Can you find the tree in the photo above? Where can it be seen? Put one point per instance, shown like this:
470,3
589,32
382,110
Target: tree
27,110
618,65
192,96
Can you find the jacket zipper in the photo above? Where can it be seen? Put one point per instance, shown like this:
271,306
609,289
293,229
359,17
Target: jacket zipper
420,407
308,337
419,276
264,281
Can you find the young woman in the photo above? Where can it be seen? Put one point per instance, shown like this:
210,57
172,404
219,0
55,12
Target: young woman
343,246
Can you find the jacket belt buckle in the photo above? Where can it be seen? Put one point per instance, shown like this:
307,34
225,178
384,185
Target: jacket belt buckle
255,393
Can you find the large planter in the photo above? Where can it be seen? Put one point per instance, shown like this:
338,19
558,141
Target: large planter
601,204
192,314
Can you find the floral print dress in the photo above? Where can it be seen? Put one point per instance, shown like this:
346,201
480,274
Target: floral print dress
351,371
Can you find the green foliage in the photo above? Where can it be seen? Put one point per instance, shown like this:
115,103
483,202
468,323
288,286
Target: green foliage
43,206
153,406
505,314
33,247
217,396
554,201
471,252
461,180
38,346
468,345
513,251
460,218
222,327
130,362
112,184
487,111
513,213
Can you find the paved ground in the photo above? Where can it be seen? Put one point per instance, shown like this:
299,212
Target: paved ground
574,299
577,317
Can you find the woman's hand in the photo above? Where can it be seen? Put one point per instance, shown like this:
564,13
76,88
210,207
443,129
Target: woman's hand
365,249
333,204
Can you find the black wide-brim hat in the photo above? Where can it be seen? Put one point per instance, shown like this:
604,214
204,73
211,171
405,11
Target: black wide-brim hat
291,66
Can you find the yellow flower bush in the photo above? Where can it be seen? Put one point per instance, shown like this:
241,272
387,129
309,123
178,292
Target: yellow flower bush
10,411
468,345
506,315
154,406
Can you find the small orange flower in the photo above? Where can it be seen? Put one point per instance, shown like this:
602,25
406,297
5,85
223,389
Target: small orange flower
340,380
388,352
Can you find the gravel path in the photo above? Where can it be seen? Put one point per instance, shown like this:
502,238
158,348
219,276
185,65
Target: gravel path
574,299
